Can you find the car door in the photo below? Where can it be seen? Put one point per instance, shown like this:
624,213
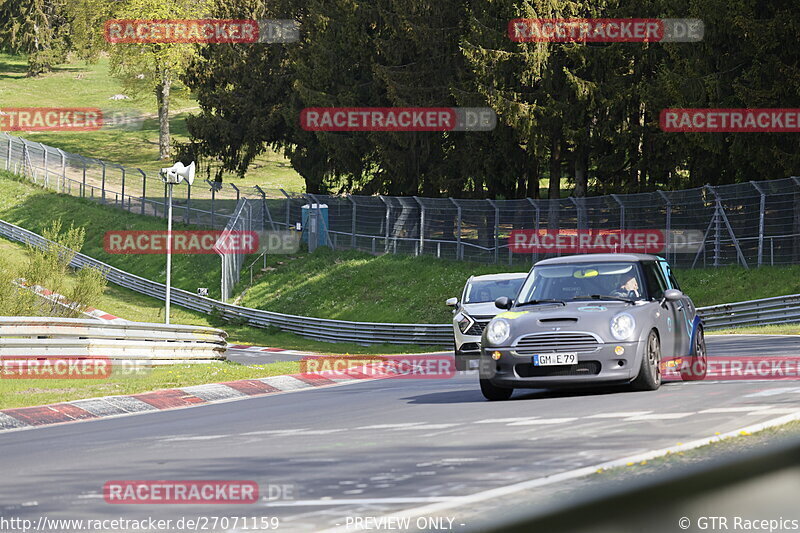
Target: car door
685,312
667,315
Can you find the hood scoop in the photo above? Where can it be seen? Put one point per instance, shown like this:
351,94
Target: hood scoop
558,320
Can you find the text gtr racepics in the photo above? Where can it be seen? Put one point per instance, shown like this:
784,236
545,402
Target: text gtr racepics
589,319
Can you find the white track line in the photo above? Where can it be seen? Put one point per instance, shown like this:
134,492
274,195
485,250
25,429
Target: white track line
433,509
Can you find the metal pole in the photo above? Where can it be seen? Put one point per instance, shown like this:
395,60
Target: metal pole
421,224
621,211
535,223
83,181
288,205
459,247
169,252
8,155
388,212
123,186
188,217
44,162
144,187
762,206
103,183
496,230
667,235
63,169
353,222
213,197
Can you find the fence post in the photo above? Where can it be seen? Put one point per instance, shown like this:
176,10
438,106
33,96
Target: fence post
83,180
63,169
761,209
668,223
421,224
144,187
621,211
321,222
44,162
123,184
188,216
103,185
388,213
459,247
352,222
288,205
496,229
535,224
213,197
8,155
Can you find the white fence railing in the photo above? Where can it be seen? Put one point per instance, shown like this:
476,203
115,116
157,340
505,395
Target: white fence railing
129,341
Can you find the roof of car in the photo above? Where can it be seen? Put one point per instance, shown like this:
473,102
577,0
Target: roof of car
493,277
597,258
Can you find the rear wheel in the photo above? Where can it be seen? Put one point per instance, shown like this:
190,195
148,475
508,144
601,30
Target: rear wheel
649,377
699,361
494,393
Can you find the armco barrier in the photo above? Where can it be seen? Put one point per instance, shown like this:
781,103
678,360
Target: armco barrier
767,311
129,341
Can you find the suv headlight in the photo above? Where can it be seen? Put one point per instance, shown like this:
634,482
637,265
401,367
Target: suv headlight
622,326
498,331
464,322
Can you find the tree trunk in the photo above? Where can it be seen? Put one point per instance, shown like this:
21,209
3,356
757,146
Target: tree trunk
162,96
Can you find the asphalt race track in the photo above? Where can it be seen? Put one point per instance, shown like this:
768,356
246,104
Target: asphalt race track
373,448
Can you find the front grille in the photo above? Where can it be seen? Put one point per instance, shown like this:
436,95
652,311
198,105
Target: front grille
477,328
556,342
584,368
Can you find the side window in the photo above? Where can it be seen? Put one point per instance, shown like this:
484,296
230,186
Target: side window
656,283
673,283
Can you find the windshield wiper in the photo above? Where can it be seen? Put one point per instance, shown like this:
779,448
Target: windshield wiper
535,302
604,297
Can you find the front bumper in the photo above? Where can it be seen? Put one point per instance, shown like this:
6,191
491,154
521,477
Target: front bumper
603,365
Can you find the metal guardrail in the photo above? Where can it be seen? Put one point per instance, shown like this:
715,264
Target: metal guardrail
314,328
780,310
129,341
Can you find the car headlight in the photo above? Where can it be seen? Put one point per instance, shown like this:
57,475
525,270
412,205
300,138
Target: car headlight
622,326
464,323
498,331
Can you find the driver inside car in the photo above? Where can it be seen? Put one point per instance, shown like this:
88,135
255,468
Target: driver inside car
629,288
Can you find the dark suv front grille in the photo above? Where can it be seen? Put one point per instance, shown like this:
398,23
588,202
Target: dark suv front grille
584,368
556,342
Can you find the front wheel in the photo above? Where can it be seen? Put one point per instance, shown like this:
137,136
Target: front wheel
649,377
698,368
494,393
458,357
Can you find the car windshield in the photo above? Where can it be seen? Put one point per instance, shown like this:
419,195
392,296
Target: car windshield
617,280
480,291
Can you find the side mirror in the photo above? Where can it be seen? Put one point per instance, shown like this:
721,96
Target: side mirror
671,295
451,302
504,302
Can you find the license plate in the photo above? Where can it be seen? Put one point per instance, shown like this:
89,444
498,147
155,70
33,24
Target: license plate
551,359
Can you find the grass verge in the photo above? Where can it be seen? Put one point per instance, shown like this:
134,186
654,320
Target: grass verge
29,392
